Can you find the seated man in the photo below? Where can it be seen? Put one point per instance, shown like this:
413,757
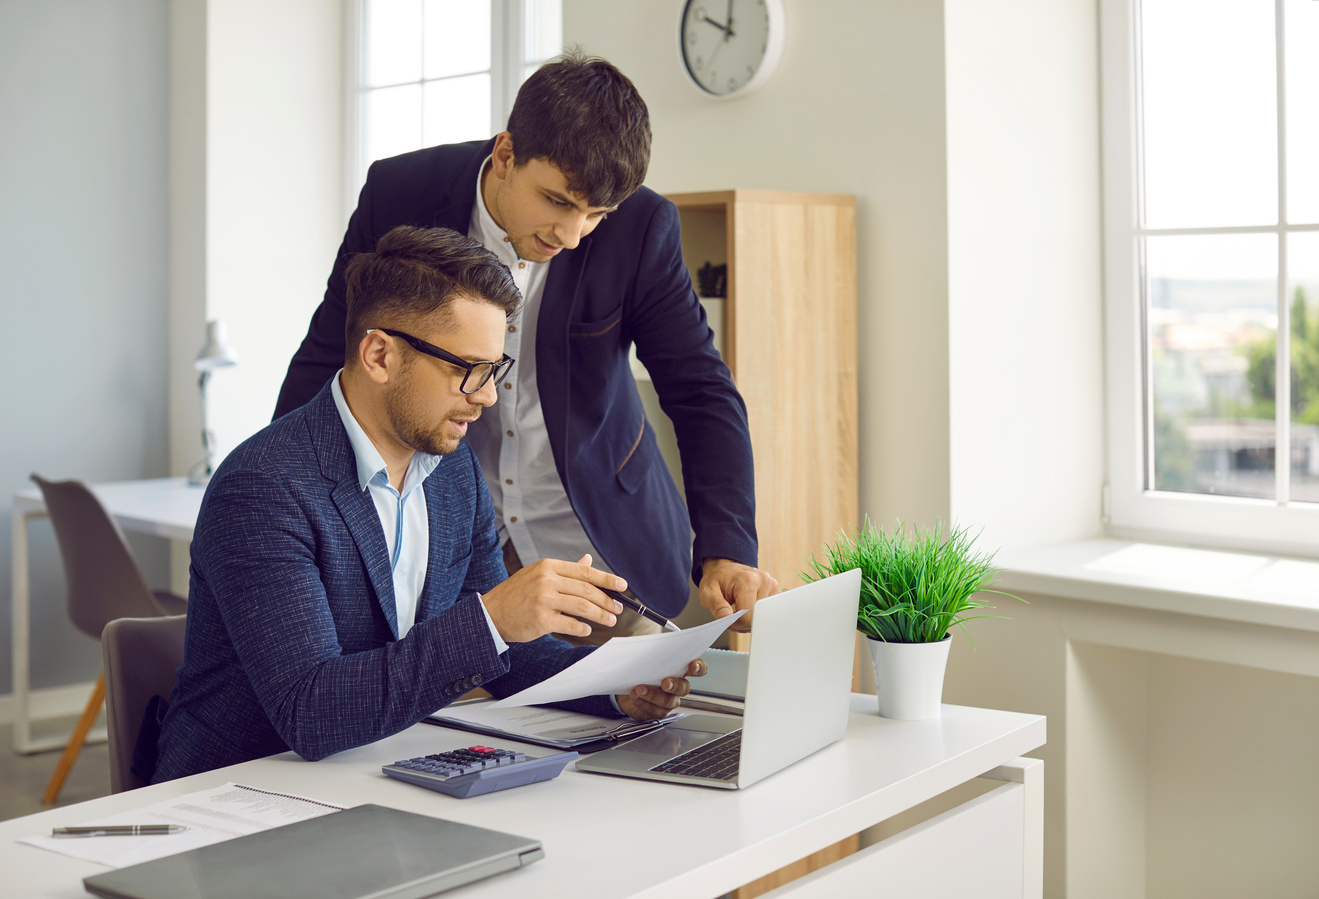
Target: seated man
346,577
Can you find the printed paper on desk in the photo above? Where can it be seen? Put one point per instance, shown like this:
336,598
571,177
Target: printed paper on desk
623,662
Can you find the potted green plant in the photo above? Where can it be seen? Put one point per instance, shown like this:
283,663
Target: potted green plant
916,585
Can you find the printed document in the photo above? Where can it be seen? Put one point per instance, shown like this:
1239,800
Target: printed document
623,662
211,816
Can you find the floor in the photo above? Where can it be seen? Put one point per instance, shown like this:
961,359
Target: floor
23,778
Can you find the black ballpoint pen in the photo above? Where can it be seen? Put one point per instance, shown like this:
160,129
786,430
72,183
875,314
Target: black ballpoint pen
639,607
118,830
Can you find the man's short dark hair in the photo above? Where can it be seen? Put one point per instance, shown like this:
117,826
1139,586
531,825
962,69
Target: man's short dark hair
416,272
585,117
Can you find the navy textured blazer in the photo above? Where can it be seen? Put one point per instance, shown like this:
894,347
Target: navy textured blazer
624,283
292,636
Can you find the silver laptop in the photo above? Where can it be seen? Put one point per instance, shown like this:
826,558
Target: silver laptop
367,851
798,683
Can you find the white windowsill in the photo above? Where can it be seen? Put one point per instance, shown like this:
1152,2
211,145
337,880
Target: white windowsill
1267,590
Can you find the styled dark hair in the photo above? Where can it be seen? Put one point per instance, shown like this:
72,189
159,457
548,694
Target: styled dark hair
585,117
416,272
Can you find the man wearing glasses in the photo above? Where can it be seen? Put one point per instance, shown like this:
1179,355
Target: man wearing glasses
347,579
571,462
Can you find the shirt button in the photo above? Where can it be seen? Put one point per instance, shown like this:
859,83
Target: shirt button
507,385
508,480
522,265
512,328
509,433
513,520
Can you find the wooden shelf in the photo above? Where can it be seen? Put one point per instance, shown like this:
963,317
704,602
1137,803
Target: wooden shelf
789,336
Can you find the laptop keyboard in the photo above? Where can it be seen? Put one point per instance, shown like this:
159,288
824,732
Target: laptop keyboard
716,760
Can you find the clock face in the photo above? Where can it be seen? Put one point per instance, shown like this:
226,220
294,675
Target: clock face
730,47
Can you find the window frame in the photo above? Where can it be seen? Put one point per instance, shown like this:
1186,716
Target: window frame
1131,509
508,64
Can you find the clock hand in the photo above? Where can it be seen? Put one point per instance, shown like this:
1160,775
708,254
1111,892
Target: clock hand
716,24
728,21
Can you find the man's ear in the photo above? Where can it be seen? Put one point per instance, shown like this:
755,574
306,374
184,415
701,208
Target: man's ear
501,157
377,356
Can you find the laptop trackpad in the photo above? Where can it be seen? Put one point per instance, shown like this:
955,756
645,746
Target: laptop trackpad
667,742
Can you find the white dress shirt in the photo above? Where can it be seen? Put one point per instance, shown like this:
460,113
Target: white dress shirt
531,506
402,516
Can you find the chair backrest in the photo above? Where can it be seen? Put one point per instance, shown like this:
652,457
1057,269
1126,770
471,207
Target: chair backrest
142,658
104,581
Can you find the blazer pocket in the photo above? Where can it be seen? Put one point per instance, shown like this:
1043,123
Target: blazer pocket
637,463
597,328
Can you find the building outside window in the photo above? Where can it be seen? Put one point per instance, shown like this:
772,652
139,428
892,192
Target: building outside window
1211,123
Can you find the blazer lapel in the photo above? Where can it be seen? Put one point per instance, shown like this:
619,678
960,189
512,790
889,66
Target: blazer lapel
338,464
553,354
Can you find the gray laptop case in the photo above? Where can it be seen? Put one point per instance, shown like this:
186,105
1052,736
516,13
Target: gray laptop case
367,851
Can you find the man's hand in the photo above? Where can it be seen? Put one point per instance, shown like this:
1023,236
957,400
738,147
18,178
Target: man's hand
549,596
728,586
649,703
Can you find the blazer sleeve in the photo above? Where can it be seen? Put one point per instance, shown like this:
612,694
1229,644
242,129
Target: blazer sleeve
256,551
696,391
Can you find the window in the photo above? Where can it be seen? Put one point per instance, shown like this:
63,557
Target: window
1211,165
427,72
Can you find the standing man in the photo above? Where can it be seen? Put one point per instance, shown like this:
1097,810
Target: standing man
346,576
569,458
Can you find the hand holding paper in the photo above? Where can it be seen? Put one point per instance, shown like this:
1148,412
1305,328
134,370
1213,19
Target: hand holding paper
622,663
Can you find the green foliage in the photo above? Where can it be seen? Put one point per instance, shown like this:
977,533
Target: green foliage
916,584
1262,361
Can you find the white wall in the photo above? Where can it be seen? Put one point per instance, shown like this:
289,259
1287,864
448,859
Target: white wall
83,255
257,146
1024,270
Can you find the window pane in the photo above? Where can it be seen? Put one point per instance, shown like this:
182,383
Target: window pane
393,42
1302,21
457,37
1212,312
457,109
1303,291
1209,113
392,121
543,30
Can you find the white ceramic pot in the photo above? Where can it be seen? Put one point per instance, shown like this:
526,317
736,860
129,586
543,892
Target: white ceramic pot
909,677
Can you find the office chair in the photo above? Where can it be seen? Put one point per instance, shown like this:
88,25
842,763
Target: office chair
104,583
142,658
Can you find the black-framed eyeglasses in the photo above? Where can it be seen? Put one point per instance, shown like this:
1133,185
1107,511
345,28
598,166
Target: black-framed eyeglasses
478,373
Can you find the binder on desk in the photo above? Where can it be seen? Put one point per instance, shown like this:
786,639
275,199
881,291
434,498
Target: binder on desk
544,726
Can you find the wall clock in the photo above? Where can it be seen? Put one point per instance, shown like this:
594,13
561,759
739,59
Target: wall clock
729,48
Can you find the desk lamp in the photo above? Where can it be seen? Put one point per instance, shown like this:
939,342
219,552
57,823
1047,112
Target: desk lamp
216,354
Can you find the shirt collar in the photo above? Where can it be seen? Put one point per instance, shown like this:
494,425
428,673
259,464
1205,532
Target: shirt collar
370,464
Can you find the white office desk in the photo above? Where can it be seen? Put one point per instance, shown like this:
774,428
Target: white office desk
163,507
614,837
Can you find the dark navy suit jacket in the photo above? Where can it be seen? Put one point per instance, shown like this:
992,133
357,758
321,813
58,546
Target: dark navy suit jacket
292,636
624,283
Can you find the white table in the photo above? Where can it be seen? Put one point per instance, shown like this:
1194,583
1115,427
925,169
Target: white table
163,507
615,837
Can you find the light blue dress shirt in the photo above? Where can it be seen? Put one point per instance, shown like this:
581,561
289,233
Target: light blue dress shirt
402,516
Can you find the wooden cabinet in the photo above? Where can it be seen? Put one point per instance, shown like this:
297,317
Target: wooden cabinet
787,330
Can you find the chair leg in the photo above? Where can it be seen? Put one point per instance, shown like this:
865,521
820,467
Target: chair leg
80,730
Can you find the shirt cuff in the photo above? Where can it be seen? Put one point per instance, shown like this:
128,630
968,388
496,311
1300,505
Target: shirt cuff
500,646
613,700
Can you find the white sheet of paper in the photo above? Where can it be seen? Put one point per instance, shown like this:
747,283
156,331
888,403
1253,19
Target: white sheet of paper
624,662
211,816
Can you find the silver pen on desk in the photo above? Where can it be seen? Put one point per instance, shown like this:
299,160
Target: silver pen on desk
118,830
640,608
